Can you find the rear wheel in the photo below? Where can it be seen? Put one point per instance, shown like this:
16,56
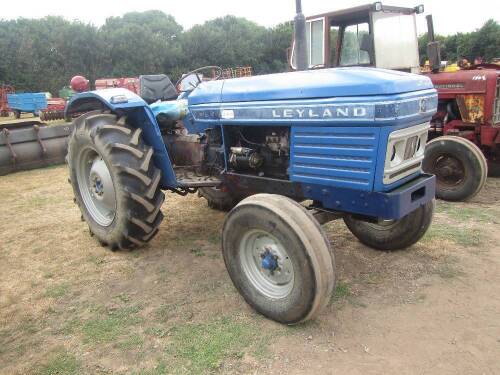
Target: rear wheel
390,235
278,258
115,182
459,165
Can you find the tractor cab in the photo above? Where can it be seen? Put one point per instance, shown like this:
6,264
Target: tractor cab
373,35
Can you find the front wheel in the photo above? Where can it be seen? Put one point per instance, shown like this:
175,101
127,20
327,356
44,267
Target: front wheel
459,165
390,235
278,258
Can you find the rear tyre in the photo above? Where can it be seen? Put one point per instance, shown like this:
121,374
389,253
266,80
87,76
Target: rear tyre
218,199
115,182
278,258
494,168
459,165
394,234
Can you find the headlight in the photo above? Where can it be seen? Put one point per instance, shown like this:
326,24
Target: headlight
405,152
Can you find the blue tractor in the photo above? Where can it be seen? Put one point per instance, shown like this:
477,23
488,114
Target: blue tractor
286,152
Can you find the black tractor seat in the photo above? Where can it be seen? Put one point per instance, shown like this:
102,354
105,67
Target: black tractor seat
156,87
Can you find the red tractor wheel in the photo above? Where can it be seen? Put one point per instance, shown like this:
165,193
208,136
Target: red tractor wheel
459,165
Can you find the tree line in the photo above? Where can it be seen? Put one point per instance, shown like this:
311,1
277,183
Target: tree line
43,54
483,43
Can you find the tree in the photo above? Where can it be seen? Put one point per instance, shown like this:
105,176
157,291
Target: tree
43,55
141,43
484,42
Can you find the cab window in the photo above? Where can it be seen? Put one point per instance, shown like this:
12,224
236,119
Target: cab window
334,37
352,52
315,38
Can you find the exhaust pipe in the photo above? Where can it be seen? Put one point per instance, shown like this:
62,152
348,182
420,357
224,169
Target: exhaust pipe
302,60
433,49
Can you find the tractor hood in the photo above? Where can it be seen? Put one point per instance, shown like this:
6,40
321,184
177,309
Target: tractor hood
326,83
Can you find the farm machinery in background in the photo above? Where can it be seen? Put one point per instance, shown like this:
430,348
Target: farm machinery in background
30,143
4,104
464,134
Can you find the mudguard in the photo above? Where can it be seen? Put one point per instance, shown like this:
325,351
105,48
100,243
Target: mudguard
123,102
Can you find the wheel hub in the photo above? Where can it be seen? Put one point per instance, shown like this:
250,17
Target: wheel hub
267,264
96,187
269,261
449,170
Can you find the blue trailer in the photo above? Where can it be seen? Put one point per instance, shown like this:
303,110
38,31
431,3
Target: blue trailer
32,103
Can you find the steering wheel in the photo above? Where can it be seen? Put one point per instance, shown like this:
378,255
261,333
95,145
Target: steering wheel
218,75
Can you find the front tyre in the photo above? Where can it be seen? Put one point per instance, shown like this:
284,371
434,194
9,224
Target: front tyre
391,235
459,165
114,180
278,258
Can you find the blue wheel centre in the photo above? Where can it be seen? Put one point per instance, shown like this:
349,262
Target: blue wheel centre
269,261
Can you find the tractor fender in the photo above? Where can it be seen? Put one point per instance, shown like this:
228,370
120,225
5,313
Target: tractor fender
123,102
114,99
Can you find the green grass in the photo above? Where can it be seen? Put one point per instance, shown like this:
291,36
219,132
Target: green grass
342,292
464,236
57,291
160,369
165,312
463,214
157,332
107,328
201,348
60,363
133,341
124,297
447,271
197,252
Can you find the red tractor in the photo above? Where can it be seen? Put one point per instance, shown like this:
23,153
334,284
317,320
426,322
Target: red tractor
465,131
4,104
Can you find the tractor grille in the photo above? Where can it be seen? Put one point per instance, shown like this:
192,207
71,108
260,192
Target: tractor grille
336,156
496,109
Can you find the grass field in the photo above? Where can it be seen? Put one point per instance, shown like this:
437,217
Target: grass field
69,306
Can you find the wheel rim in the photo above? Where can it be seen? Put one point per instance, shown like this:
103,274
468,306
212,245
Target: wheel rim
266,264
449,171
96,187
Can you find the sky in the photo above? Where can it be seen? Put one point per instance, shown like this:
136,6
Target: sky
449,16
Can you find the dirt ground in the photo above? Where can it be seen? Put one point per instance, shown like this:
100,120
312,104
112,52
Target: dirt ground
69,306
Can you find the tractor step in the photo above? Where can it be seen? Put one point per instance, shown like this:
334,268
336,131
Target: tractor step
191,179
